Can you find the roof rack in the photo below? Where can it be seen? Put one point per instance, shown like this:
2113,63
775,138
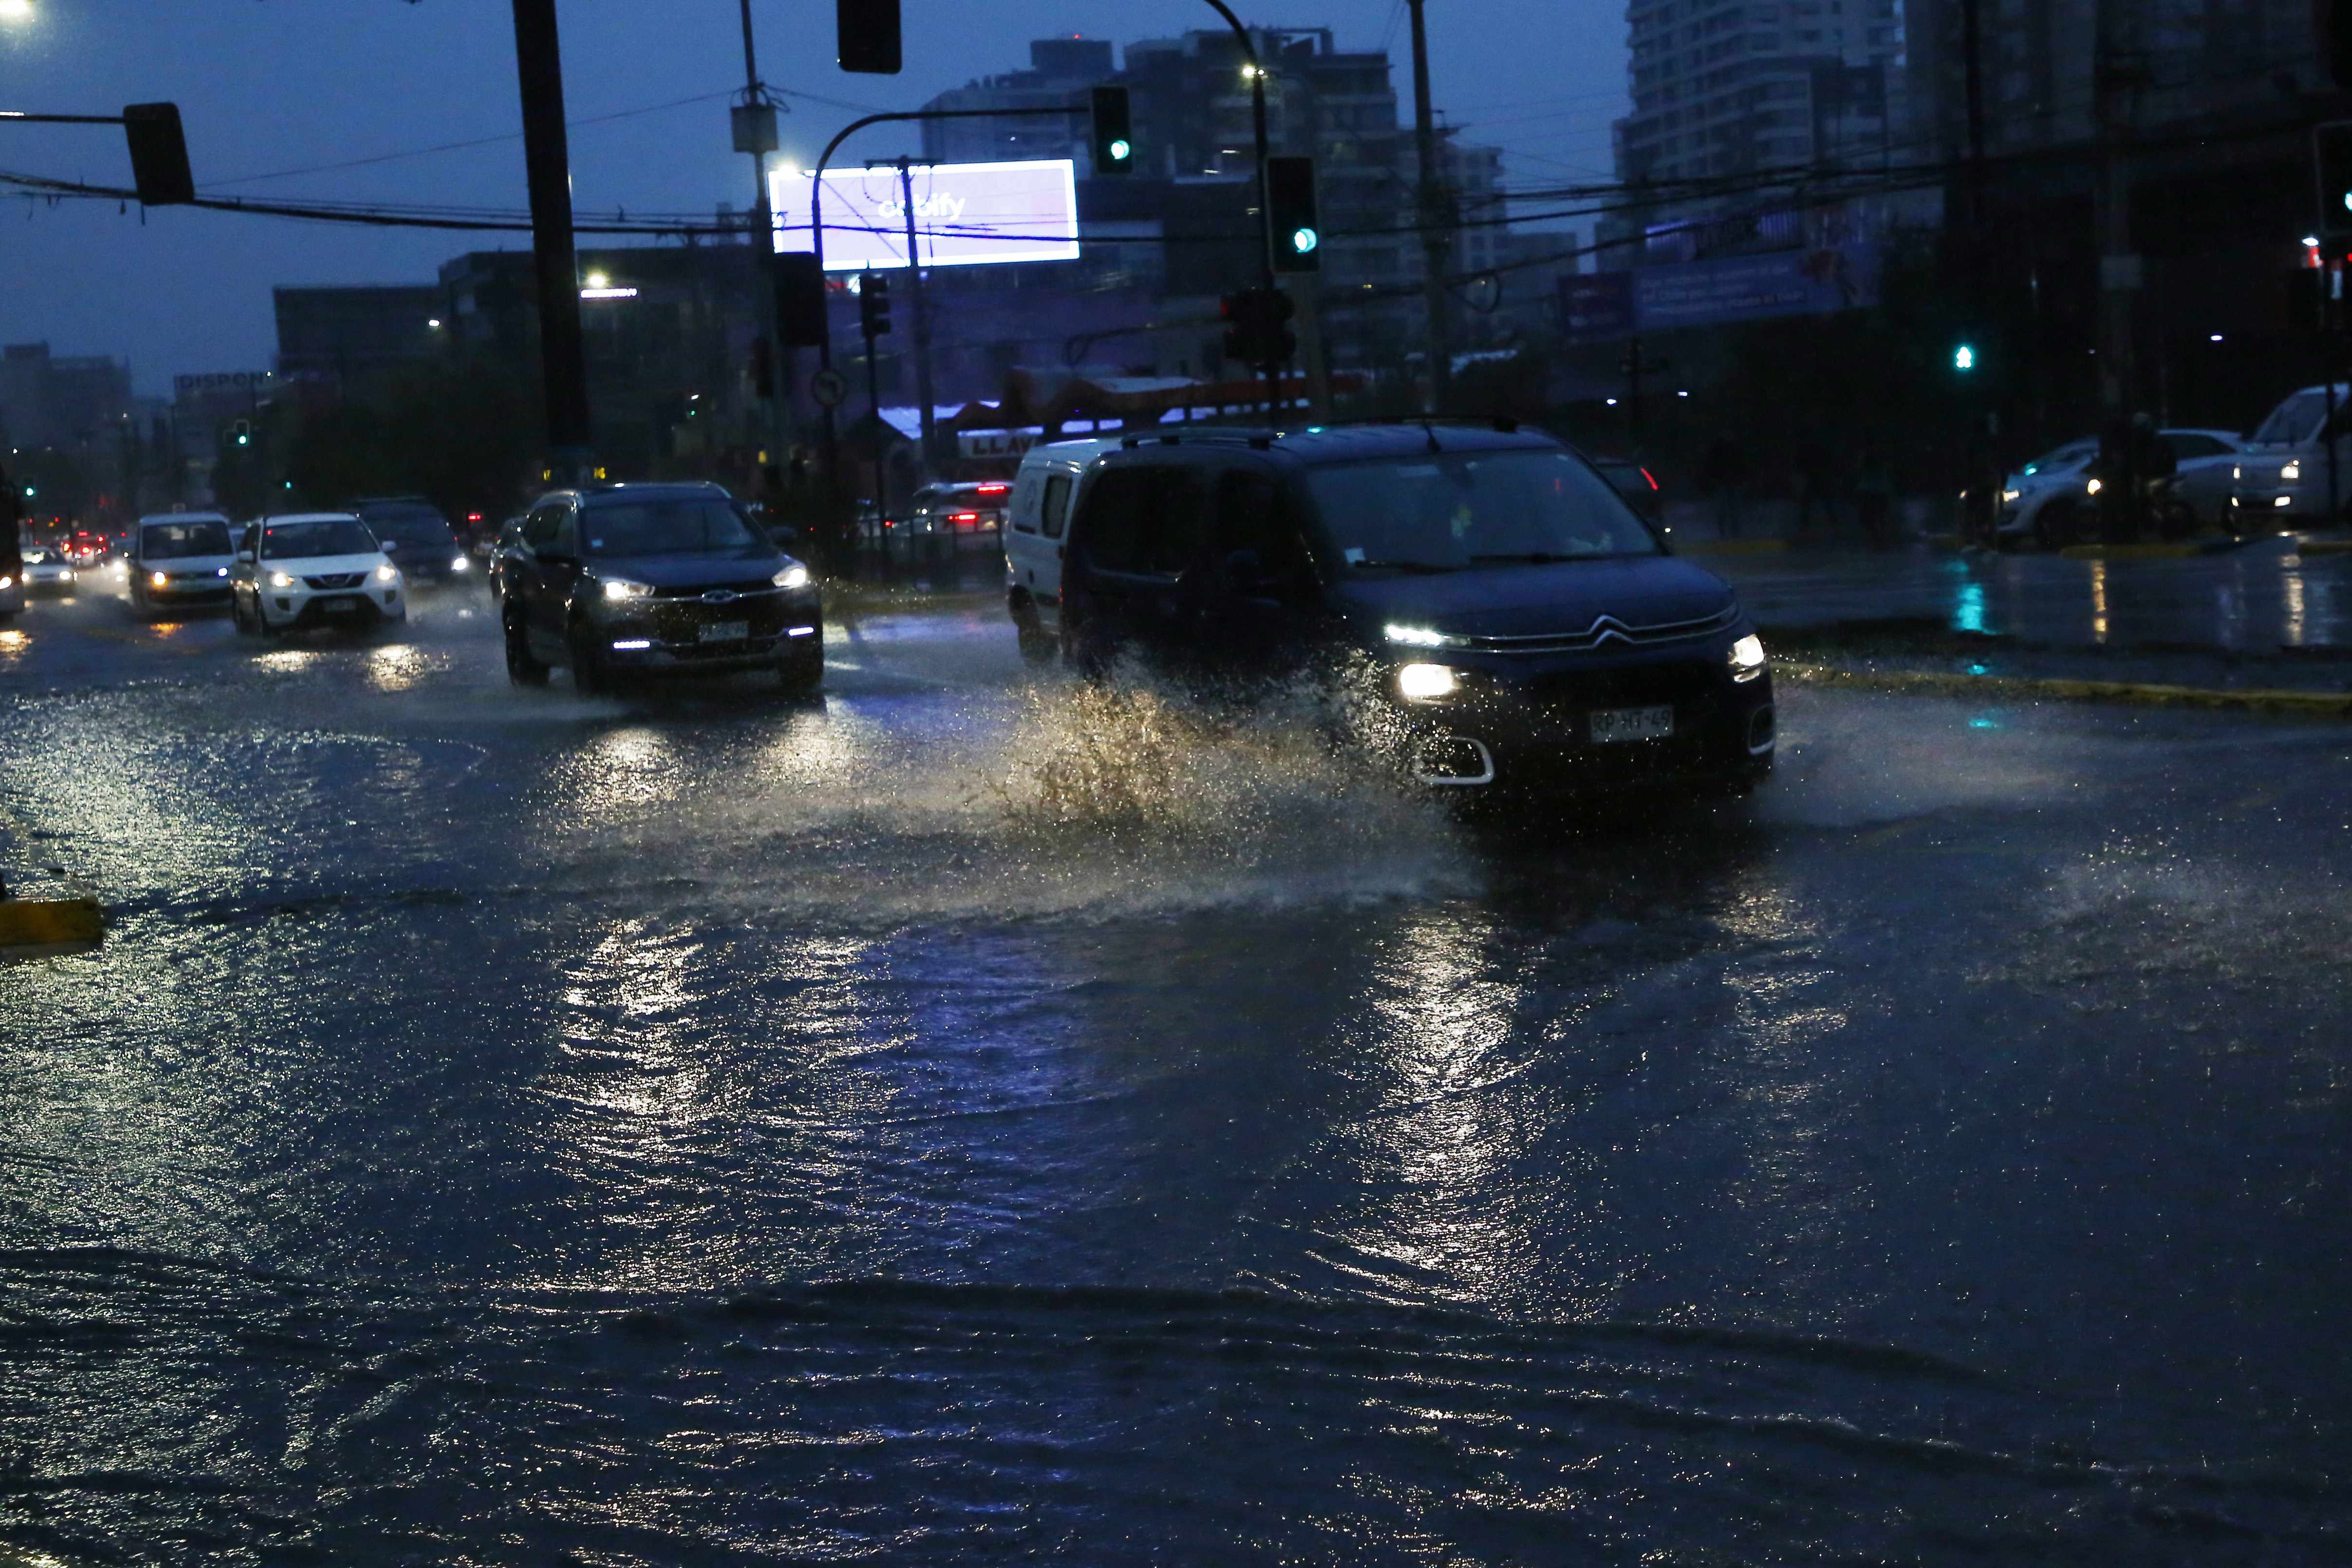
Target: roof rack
1210,435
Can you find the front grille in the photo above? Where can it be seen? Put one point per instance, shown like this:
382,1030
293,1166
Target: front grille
1606,631
755,588
682,623
1680,683
337,580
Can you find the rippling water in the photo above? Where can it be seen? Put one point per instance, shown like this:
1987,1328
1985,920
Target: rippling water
511,1130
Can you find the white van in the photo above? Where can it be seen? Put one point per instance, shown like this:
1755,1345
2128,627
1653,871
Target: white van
2280,477
1042,495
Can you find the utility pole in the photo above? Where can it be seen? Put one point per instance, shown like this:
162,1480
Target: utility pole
1974,238
755,133
562,359
2119,268
922,315
1433,230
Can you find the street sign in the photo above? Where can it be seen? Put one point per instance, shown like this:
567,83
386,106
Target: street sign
829,387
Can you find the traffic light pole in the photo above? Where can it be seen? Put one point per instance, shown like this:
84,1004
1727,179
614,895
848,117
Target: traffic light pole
1273,369
1432,218
562,357
763,261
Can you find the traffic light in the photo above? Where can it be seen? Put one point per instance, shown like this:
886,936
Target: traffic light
1290,199
1256,326
868,35
159,154
800,300
1964,358
2331,155
241,433
1114,137
873,304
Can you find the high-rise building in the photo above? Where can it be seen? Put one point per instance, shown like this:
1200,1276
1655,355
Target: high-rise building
1192,117
1727,93
49,401
345,332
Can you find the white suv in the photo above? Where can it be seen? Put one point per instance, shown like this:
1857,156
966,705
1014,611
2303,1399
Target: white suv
313,569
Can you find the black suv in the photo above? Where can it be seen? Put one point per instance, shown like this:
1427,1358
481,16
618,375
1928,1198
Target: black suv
1508,617
416,536
654,577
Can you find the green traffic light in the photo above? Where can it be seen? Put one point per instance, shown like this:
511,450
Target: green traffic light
1303,240
1120,151
1964,358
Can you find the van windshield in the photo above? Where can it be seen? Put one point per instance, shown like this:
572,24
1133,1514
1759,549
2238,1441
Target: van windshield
2293,421
1449,510
177,541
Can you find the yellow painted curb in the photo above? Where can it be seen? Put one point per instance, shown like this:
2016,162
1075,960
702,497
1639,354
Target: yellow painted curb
49,925
2169,550
2304,704
1731,547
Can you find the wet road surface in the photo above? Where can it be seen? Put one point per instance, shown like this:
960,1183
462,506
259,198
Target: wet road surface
504,1128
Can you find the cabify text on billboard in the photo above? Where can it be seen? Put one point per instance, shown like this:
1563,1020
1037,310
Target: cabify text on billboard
966,214
1596,307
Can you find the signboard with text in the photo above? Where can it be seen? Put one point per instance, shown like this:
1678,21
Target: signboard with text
1604,306
966,214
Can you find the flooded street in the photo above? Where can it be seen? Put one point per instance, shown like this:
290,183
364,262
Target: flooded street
689,1127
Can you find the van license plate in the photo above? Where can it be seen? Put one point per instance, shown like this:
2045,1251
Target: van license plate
1632,724
724,631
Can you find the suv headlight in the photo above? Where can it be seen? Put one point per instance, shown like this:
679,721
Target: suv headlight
387,573
624,588
2291,472
280,580
790,577
1427,682
1746,657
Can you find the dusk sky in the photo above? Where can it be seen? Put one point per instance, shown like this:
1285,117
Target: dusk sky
274,93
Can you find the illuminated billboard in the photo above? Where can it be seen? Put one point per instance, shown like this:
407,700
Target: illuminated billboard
966,214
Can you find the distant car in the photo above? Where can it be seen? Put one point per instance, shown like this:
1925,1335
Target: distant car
971,508
313,569
179,561
414,534
2282,477
1043,493
2050,501
502,548
47,572
1632,481
655,577
12,592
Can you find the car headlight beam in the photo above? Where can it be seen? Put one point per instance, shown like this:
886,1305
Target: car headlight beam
623,588
1427,682
1419,637
1746,657
156,579
790,577
387,573
280,580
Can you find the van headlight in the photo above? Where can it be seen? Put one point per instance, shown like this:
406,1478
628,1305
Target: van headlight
1746,658
1427,682
790,577
2291,473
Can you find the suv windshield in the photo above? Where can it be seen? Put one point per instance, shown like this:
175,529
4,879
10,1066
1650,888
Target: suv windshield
685,526
175,541
1474,509
329,536
405,520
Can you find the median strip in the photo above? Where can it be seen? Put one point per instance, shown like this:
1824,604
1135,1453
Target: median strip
2299,704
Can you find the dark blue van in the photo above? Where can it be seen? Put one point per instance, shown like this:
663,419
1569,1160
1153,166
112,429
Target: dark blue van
1509,617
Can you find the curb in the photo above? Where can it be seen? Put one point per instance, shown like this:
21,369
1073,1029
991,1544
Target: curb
1731,547
2167,550
2297,704
37,928
2325,547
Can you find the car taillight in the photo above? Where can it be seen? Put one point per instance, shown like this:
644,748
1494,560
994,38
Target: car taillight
991,489
1646,475
964,516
